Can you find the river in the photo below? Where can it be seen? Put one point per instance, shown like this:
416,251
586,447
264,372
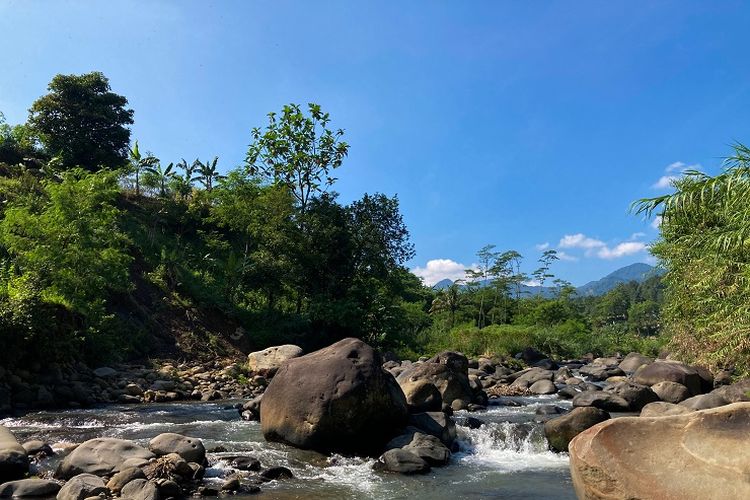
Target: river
506,458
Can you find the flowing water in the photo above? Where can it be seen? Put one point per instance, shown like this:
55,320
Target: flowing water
506,458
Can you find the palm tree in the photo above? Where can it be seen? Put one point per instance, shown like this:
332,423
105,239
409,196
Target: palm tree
163,176
449,299
208,173
139,163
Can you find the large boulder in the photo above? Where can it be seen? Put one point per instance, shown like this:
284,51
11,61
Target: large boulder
29,488
427,447
633,361
660,371
435,423
671,392
606,401
269,360
421,395
543,387
140,489
82,486
14,463
704,402
636,395
734,393
103,457
189,448
403,462
693,456
663,409
448,372
559,431
337,399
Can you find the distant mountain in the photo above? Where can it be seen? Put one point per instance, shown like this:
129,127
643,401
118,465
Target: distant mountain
635,272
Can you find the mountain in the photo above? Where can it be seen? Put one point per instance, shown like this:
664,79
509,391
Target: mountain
635,272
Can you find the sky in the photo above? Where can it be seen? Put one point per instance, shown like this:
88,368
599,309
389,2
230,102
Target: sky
527,125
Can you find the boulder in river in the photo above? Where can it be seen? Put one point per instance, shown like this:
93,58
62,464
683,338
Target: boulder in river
14,463
421,395
660,371
103,457
403,462
636,395
704,402
82,486
269,360
693,456
447,371
559,431
671,392
140,489
29,488
189,448
435,423
427,447
663,409
633,361
606,401
337,399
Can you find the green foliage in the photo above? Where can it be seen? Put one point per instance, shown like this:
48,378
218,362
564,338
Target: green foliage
83,122
704,245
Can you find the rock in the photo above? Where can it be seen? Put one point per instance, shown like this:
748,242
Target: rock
168,488
425,446
448,378
561,430
601,372
436,424
603,400
133,390
246,463
337,399
231,484
633,361
549,410
671,392
102,457
28,488
568,392
36,447
704,402
636,395
663,409
421,395
268,361
661,371
105,371
528,376
543,387
530,355
276,473
734,393
546,363
116,482
189,448
140,489
14,464
691,456
81,487
251,409
403,462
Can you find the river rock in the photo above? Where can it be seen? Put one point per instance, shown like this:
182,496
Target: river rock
704,402
337,399
671,392
29,488
447,371
140,489
105,371
269,360
559,431
734,393
276,473
116,482
636,395
81,487
660,371
189,448
663,409
633,361
435,423
403,462
427,447
543,387
421,395
14,463
603,400
601,371
693,456
103,457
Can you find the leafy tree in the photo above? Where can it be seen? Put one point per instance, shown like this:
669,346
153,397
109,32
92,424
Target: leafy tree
208,174
139,164
449,299
83,122
162,176
17,143
299,151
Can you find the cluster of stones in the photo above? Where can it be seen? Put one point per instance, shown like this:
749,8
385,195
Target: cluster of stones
77,385
171,466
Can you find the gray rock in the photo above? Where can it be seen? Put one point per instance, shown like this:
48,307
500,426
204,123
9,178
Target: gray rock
671,392
140,489
14,463
435,423
603,400
704,402
734,393
105,371
270,360
660,371
29,488
119,480
81,487
403,462
633,361
663,409
543,387
425,446
636,395
103,457
561,430
189,448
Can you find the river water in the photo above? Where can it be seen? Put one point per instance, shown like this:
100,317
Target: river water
506,458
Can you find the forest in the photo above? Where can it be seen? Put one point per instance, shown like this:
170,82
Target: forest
109,252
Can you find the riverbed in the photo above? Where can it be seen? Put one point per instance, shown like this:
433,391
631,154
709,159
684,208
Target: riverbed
505,458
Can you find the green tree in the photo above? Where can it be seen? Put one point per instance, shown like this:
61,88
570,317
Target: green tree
299,151
139,164
208,173
83,122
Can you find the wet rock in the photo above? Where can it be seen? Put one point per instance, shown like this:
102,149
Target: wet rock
436,424
231,484
663,409
276,473
29,488
269,360
168,488
140,489
81,487
421,395
189,448
120,479
38,448
425,446
696,455
603,400
14,463
403,462
246,463
337,399
103,457
549,410
561,430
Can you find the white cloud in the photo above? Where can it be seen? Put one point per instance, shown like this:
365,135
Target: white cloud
567,257
542,246
637,236
664,182
532,283
621,250
677,166
439,269
580,240
656,223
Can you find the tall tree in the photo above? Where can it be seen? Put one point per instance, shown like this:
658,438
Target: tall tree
83,121
299,151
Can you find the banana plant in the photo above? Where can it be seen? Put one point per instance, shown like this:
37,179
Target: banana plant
140,163
163,175
208,174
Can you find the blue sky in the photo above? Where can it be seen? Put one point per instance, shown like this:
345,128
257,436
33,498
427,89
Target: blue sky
522,124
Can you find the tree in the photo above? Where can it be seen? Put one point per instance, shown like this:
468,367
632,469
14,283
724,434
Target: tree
449,299
83,122
299,151
16,143
162,176
541,274
208,174
139,164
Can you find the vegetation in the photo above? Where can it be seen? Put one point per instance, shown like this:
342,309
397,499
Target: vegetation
106,252
705,230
